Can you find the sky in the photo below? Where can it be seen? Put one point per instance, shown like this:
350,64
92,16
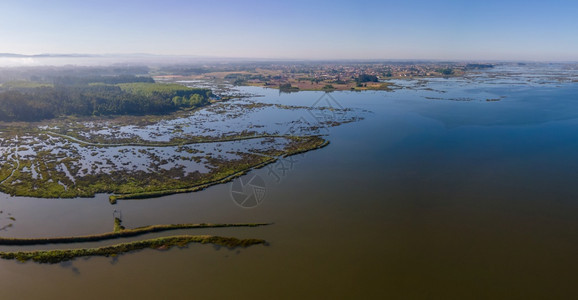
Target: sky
410,29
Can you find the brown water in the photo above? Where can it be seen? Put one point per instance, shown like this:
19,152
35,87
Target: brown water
423,199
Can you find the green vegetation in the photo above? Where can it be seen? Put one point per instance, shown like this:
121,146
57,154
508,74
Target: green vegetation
385,86
226,173
243,78
50,74
305,144
53,169
148,89
17,85
57,256
363,78
87,96
117,226
127,185
478,66
58,164
446,71
181,96
232,169
287,88
118,232
172,142
99,80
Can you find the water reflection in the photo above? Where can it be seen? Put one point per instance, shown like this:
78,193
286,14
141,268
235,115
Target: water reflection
457,199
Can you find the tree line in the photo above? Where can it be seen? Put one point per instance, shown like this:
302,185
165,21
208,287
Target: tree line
121,95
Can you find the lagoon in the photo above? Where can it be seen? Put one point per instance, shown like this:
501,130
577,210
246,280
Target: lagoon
436,193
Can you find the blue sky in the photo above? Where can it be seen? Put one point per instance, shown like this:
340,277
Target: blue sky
450,29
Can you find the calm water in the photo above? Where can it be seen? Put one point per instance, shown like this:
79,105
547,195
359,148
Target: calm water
425,198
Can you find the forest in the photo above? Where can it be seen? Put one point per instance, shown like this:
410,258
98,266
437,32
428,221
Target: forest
95,96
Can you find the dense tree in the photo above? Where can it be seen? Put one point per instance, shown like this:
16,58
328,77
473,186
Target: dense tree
131,95
366,78
446,71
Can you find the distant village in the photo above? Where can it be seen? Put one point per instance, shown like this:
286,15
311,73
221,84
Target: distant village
331,76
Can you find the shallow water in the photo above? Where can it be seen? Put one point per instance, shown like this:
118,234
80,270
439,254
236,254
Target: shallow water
422,199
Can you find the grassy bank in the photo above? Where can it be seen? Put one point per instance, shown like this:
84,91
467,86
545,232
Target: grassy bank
57,256
119,232
222,177
298,145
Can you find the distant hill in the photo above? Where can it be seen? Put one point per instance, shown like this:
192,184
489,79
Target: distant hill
44,55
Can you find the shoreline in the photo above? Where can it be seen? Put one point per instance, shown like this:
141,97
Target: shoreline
118,233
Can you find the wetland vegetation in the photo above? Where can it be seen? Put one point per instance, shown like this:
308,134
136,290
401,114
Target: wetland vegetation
93,96
164,243
50,166
118,232
203,138
124,134
76,135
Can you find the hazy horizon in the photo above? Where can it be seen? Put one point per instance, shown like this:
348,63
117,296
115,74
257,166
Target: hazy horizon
299,30
76,59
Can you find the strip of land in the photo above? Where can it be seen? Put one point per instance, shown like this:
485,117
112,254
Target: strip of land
322,76
113,198
57,256
48,173
192,141
119,232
